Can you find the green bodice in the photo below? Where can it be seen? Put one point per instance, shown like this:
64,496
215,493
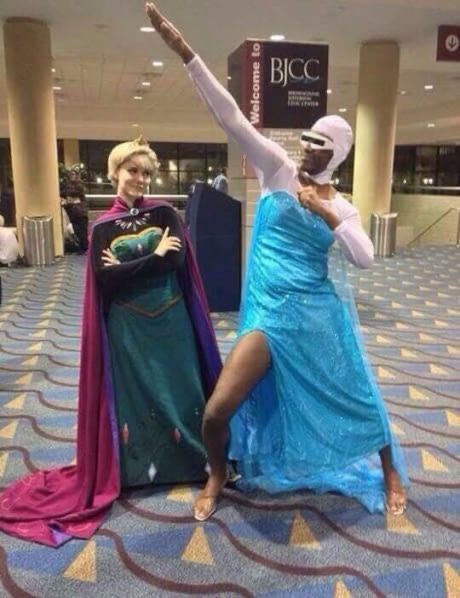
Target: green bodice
135,245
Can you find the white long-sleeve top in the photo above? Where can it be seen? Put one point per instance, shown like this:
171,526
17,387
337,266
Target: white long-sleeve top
274,169
9,248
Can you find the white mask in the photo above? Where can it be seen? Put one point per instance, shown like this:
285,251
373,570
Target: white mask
337,129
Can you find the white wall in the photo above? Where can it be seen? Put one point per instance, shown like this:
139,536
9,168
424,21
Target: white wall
417,212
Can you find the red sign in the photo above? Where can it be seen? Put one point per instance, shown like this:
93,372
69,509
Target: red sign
448,43
255,85
279,85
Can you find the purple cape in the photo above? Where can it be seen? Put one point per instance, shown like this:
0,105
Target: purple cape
51,507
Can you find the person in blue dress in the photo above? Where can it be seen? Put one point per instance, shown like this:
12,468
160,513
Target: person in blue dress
296,405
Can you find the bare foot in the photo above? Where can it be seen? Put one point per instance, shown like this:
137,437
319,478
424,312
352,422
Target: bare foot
395,495
206,501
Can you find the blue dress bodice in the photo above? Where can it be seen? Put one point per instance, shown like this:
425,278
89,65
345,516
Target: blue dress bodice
290,248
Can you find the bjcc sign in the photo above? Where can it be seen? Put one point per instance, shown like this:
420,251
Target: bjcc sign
280,85
285,70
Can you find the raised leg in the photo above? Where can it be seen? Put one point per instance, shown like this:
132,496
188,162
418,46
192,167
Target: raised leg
247,363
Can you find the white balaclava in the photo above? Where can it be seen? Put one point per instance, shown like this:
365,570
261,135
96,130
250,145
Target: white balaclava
341,134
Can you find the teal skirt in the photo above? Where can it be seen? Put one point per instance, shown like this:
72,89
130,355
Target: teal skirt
158,391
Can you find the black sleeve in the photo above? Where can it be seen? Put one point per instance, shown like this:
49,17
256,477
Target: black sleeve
112,277
63,190
81,194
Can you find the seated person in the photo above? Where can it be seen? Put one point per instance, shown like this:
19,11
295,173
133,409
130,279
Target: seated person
9,248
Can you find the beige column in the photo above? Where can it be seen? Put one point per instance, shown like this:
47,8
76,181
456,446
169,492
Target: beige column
32,122
243,185
375,127
71,152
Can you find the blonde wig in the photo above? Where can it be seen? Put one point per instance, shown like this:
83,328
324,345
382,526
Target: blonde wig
122,152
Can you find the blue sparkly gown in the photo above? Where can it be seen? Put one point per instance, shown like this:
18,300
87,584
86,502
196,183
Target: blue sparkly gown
316,420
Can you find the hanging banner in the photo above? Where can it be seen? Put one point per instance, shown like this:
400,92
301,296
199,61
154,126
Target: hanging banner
448,43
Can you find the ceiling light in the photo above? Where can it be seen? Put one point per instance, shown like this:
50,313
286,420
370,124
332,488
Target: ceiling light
137,97
402,92
329,91
157,63
277,37
57,88
147,29
53,70
134,125
428,87
431,125
342,109
146,83
229,78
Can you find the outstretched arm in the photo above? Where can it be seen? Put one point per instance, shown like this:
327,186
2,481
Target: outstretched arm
265,155
170,35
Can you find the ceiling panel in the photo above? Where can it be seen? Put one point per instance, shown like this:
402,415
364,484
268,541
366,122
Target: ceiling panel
101,58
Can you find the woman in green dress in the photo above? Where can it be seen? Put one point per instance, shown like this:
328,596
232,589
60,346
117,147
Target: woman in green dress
137,251
149,359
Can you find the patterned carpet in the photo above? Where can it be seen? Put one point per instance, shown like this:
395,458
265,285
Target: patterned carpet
297,545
